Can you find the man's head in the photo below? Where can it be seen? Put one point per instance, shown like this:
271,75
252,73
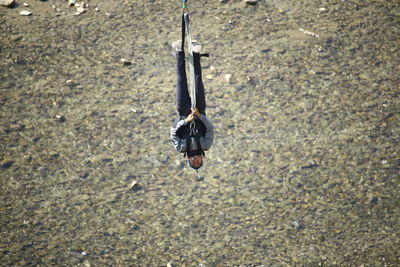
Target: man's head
195,161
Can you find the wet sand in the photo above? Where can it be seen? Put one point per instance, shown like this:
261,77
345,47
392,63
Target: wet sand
304,170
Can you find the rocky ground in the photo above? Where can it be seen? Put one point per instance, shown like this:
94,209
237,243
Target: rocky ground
304,170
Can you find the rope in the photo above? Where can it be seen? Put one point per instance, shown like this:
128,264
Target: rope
186,31
191,61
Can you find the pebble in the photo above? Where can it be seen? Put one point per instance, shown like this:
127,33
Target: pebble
251,2
25,4
213,69
180,164
309,33
298,225
60,118
7,3
323,10
199,178
7,164
373,200
81,9
228,78
71,2
126,62
25,13
134,186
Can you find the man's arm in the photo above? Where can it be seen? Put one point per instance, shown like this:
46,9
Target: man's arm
207,140
179,144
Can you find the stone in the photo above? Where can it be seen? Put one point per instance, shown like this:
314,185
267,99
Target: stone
213,70
228,78
323,10
251,2
81,9
7,164
126,62
199,178
134,186
298,225
71,2
25,13
25,4
373,200
7,3
60,118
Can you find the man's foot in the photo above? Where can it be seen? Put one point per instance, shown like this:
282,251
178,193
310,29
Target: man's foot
177,45
196,46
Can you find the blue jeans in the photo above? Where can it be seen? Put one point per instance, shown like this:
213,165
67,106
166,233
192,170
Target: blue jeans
183,101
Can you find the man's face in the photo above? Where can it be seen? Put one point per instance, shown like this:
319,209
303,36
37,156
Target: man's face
196,161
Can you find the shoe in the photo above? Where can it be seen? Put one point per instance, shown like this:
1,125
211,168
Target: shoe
196,46
177,45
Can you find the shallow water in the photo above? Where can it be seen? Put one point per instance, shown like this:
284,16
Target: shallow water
304,170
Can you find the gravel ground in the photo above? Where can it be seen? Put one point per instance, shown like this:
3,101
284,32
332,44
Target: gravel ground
304,170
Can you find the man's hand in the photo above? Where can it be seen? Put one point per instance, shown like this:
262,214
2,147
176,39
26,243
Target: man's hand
196,112
189,118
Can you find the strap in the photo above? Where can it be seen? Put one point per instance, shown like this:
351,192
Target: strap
199,144
192,128
183,32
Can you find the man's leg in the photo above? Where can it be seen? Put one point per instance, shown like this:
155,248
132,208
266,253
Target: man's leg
183,102
200,95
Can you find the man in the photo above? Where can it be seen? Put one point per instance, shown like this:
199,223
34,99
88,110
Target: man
192,132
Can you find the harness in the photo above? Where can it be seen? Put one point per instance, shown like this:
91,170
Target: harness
194,138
